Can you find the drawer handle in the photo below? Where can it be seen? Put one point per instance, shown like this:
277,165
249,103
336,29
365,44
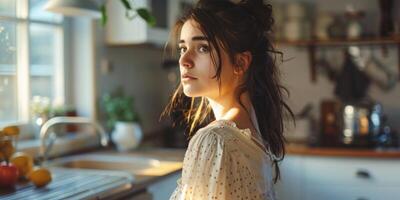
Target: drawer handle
361,173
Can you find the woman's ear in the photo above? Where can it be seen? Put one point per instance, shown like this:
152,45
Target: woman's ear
242,62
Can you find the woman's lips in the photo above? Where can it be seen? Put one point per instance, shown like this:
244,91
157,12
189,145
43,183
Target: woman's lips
187,77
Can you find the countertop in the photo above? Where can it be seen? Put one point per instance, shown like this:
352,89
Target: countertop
139,183
299,149
142,182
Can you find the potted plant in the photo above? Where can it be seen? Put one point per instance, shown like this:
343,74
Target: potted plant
123,119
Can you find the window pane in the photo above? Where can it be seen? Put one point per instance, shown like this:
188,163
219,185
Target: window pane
43,54
37,12
8,86
7,7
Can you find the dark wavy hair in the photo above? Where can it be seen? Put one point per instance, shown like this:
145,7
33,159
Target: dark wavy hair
236,28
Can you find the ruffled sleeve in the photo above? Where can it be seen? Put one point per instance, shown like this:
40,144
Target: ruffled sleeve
212,169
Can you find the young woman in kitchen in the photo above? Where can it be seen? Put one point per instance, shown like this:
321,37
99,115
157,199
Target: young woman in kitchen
231,99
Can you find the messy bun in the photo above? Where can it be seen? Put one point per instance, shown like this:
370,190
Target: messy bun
261,12
235,28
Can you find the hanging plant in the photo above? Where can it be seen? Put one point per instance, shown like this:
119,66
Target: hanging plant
130,13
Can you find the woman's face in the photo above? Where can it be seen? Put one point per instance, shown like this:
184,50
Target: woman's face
196,65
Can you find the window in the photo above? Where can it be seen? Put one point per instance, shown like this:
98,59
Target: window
8,81
31,58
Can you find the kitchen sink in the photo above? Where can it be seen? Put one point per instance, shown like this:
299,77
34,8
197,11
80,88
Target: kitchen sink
133,164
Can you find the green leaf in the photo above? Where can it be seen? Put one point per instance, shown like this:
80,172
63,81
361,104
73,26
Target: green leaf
118,107
127,4
146,15
103,14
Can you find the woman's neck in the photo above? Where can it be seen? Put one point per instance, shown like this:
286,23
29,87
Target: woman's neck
229,108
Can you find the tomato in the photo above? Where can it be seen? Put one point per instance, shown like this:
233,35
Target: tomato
8,175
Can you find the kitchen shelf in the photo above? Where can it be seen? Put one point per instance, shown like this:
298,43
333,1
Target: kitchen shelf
298,149
312,45
339,42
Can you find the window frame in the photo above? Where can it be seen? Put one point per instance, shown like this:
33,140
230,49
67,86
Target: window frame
22,70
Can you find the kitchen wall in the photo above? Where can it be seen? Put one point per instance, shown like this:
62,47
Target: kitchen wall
138,70
296,71
296,77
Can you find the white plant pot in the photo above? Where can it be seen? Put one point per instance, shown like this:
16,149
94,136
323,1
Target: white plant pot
127,135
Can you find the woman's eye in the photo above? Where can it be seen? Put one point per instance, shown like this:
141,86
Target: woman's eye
204,49
182,50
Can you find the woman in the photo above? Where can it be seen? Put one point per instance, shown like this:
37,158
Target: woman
229,81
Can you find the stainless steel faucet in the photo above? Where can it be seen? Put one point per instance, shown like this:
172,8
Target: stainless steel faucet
44,133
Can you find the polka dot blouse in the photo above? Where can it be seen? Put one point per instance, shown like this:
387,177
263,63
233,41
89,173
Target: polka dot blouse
225,162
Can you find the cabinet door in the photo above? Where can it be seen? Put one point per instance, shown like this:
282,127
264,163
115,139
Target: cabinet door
291,184
352,193
334,178
351,178
324,171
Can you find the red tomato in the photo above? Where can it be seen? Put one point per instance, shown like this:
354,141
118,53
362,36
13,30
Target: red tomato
8,175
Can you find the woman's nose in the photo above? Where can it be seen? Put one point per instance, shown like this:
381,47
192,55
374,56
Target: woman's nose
186,60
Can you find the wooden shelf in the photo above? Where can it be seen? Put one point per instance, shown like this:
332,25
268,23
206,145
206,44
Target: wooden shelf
342,152
340,42
312,46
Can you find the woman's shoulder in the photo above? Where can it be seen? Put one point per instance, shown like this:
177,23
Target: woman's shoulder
216,129
228,136
214,132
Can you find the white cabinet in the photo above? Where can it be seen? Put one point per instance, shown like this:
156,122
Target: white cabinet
352,193
332,178
122,31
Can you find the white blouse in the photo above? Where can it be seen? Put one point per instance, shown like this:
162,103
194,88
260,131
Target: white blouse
225,162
